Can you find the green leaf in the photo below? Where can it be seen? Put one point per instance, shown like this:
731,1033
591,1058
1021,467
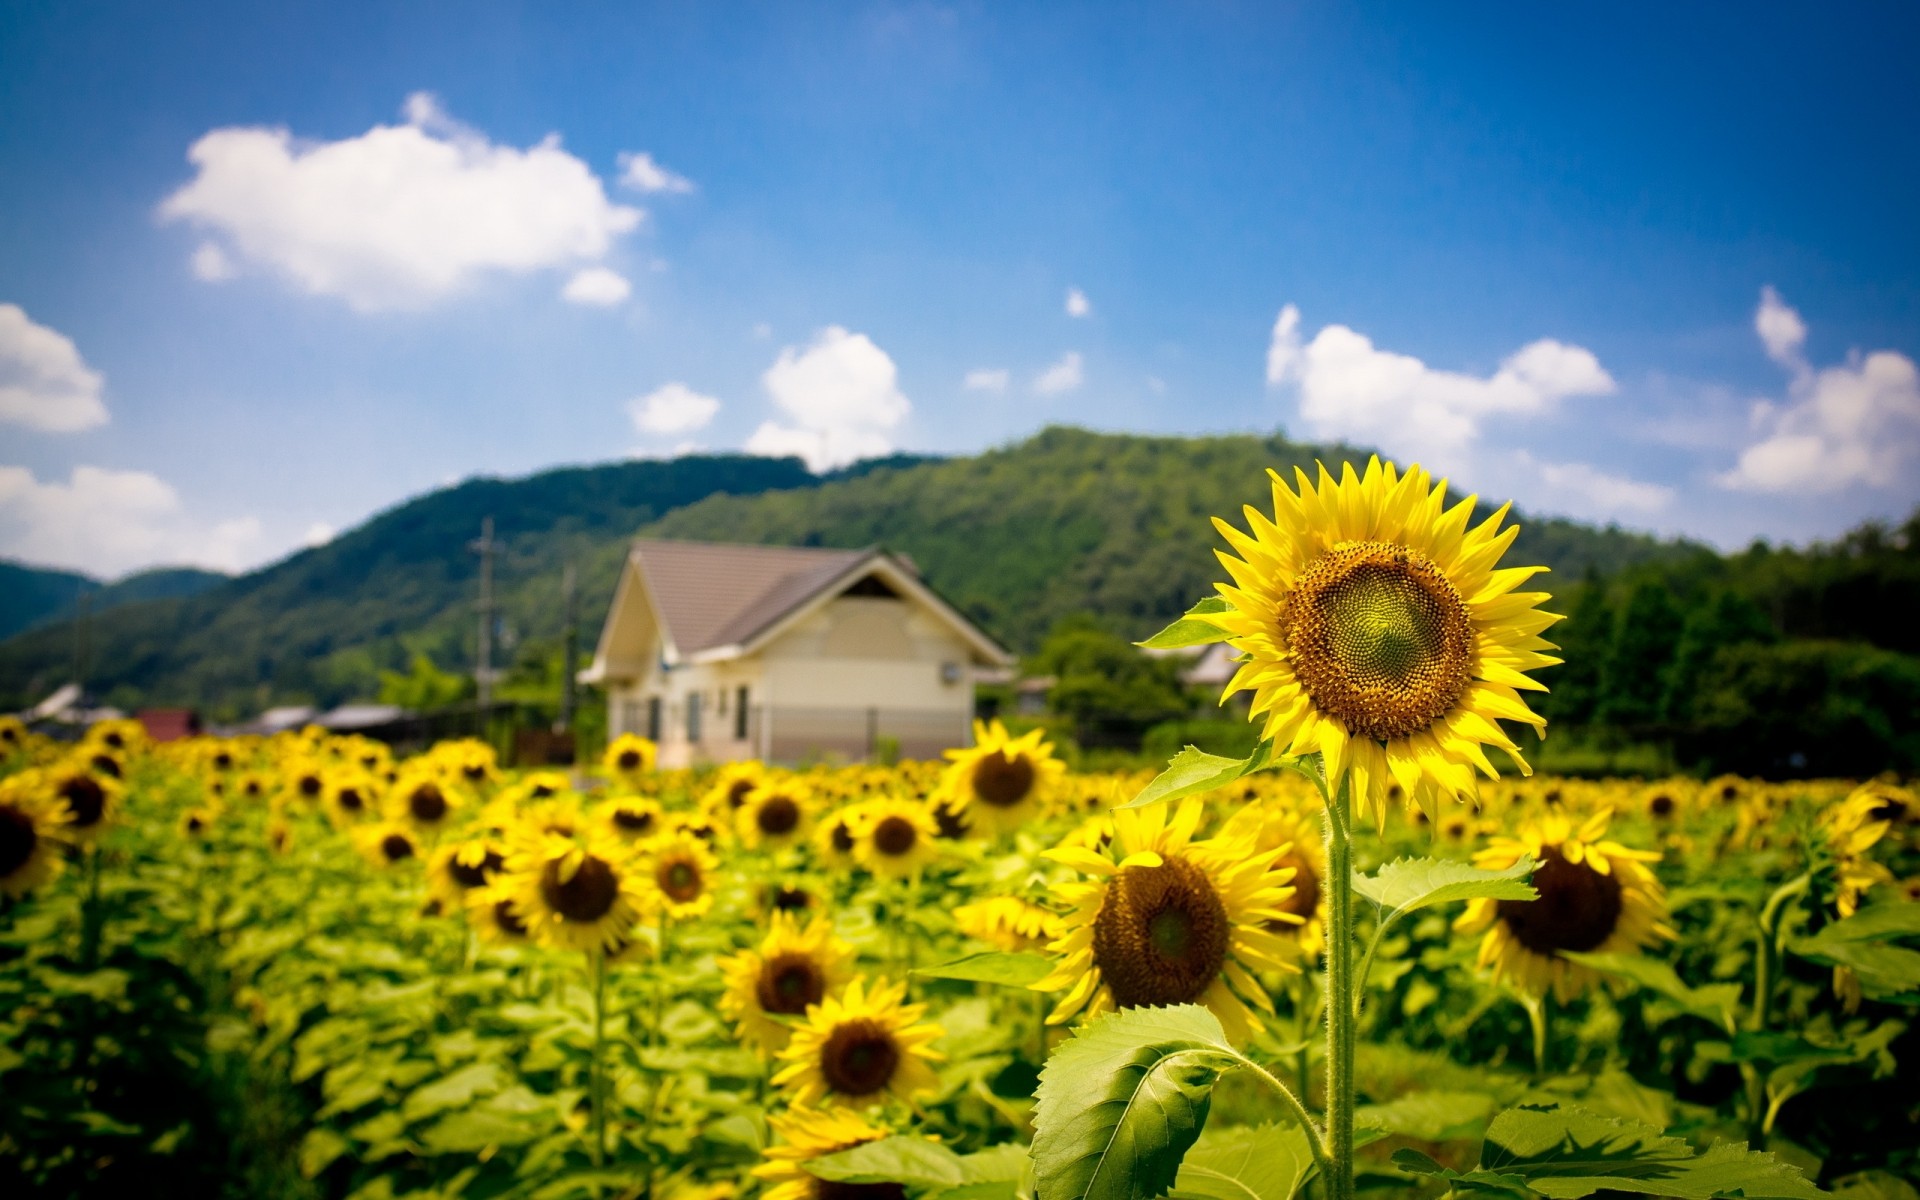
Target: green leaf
1883,970
1716,1002
1008,1162
452,1091
1192,629
1119,1105
1429,1116
318,1150
1014,970
913,1161
476,1130
1565,1152
1408,884
1245,1162
1193,771
1882,922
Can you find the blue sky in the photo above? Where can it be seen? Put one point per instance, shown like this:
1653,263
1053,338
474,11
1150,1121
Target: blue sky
1617,262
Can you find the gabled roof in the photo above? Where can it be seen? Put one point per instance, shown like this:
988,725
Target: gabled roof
718,600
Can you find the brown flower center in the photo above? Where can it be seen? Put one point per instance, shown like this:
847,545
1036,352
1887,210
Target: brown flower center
841,836
1380,639
791,899
778,816
86,800
629,760
1306,888
474,874
1161,934
427,803
837,1189
788,983
633,820
508,920
351,800
951,824
859,1058
1578,908
894,836
737,792
308,786
1661,805
105,764
586,896
1001,781
396,847
680,879
18,837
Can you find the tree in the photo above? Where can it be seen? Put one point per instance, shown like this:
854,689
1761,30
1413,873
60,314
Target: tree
1729,619
1104,684
1645,638
1583,639
424,687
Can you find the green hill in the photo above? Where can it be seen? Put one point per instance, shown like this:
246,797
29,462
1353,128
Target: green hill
1067,521
31,596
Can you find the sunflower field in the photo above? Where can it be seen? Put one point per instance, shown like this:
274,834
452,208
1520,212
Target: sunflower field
1376,956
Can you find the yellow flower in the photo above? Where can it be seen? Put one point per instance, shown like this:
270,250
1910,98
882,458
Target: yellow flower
731,786
1002,782
1285,826
895,838
1596,896
774,815
792,970
833,838
1168,920
631,818
577,893
30,835
458,869
860,1047
806,1134
678,876
630,758
88,802
1376,629
423,800
386,844
1852,828
1006,923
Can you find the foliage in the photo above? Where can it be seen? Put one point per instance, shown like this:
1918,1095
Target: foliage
423,687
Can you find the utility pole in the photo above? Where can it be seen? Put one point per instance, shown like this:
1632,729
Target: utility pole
483,662
569,646
83,603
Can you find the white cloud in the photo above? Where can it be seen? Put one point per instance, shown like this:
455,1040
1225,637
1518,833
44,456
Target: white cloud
110,522
210,264
843,395
1585,490
1077,303
596,286
1852,425
1349,388
672,408
987,379
642,174
398,217
1063,376
44,383
318,534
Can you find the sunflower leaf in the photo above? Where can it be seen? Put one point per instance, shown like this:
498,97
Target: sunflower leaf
1245,1162
1862,943
1715,1002
1120,1104
1565,1152
1014,970
1192,629
913,1161
1407,884
1193,771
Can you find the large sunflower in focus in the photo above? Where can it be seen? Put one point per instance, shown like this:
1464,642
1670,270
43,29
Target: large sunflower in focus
860,1047
1168,920
1377,629
792,970
806,1134
1002,782
1596,897
580,893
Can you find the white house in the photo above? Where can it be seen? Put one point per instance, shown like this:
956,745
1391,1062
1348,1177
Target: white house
723,652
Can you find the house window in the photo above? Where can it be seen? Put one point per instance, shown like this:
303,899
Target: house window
693,716
740,714
629,716
653,718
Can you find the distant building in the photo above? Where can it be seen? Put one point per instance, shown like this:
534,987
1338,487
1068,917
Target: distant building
723,652
169,724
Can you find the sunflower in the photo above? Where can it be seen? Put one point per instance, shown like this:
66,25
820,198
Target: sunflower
859,1047
678,876
457,869
630,758
423,800
471,760
1002,782
198,821
30,835
1168,920
1375,629
350,796
806,1134
386,844
122,735
731,786
631,818
833,838
895,838
303,778
792,970
1006,923
1596,897
1667,801
775,815
88,802
1286,827
495,915
577,893
1850,829
13,736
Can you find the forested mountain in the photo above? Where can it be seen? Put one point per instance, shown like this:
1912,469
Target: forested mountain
31,596
1067,521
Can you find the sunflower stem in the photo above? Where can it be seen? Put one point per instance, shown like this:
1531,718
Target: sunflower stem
1539,1019
1340,993
596,1080
1316,1138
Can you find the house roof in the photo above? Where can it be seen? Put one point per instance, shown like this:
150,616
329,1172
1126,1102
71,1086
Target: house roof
709,594
716,597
